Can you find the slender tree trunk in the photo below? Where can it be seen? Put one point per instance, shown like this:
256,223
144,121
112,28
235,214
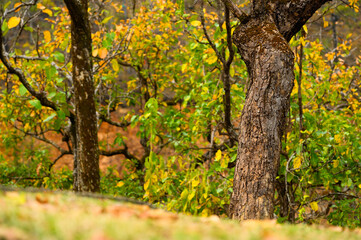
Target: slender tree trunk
87,154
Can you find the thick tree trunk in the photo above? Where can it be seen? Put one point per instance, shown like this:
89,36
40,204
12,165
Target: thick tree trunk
262,40
270,66
87,154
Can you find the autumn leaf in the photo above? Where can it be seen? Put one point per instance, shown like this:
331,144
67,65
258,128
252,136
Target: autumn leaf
47,36
102,53
297,162
195,183
120,184
115,65
13,22
48,11
40,6
146,184
16,5
196,23
314,206
218,155
212,59
95,52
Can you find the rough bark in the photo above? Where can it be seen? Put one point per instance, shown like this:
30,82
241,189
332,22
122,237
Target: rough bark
87,154
262,40
269,62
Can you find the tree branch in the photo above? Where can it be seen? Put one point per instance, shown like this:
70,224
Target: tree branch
41,96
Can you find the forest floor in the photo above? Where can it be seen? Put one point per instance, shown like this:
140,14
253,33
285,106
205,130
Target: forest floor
49,215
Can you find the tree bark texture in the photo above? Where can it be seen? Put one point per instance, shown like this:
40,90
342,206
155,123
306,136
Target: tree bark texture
86,177
262,40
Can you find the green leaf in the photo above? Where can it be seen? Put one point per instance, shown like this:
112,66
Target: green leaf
61,114
107,19
22,90
27,28
59,56
35,103
50,72
7,4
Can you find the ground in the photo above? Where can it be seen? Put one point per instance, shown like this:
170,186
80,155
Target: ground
57,215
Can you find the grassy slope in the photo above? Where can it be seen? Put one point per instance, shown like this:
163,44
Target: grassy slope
66,216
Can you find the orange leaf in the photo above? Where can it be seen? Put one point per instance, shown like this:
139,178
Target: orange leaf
16,5
102,53
40,6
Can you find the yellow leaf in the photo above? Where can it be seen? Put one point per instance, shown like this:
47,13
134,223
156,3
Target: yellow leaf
195,183
146,184
231,71
224,162
297,162
335,163
325,23
212,59
13,22
115,65
196,23
48,11
95,52
102,53
120,184
191,195
314,206
218,155
184,194
338,138
184,67
305,29
47,36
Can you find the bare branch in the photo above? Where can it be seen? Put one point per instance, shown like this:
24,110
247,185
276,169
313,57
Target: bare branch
203,21
117,124
237,12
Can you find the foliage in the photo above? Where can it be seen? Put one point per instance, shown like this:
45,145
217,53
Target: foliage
321,160
160,72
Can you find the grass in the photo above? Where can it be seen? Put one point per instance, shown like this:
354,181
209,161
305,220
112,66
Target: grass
25,215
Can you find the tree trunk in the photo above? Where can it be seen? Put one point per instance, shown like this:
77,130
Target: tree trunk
262,40
269,62
87,154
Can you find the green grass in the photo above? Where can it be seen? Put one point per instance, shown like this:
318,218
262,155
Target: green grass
67,216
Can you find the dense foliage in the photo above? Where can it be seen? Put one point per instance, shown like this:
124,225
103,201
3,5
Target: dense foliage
159,71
